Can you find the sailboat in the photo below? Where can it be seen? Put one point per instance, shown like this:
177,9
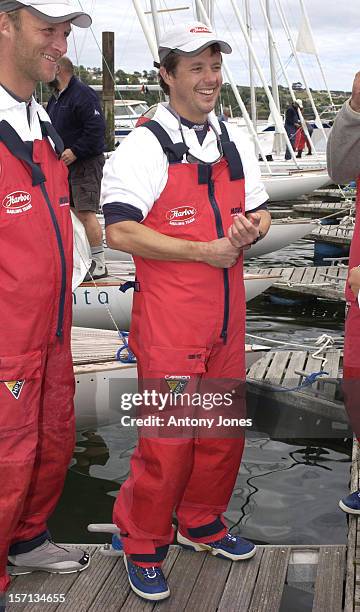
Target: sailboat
279,181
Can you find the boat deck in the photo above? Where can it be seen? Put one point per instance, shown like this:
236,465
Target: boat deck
322,209
324,281
197,581
331,234
289,370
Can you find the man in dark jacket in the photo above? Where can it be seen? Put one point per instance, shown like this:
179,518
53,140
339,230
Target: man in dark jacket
76,113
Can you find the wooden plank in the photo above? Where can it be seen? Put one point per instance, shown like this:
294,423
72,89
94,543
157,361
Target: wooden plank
271,579
114,590
277,368
84,590
182,579
296,363
259,368
329,579
209,586
240,584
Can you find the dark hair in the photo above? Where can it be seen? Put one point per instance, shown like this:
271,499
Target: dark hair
171,61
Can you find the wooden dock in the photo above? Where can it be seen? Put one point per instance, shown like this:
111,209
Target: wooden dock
324,281
323,209
95,349
197,581
352,589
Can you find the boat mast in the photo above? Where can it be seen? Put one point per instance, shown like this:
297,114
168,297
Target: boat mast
288,82
209,9
155,17
251,66
286,27
274,83
308,25
273,109
203,16
145,28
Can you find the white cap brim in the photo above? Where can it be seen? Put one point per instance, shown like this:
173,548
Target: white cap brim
59,12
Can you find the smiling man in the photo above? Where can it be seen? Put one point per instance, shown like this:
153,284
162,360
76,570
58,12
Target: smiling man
183,194
36,375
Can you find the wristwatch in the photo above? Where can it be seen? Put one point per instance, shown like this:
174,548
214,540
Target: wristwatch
260,237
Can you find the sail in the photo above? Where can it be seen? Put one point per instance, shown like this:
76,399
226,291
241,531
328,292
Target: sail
305,42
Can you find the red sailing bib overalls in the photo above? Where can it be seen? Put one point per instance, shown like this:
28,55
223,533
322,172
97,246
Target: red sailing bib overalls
188,319
36,375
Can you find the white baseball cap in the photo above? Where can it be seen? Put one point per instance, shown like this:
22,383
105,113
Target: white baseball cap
189,39
53,12
299,102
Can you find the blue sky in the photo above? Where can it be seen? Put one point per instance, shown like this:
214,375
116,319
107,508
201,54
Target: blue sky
335,26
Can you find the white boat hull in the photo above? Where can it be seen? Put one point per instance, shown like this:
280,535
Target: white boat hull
294,185
281,234
95,306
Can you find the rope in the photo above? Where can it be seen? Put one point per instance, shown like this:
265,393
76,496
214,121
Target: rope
129,357
309,380
123,335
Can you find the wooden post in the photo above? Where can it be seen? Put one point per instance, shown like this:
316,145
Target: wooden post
109,88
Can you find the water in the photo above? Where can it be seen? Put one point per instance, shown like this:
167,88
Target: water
287,490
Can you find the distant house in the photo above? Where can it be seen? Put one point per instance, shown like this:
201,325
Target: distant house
297,86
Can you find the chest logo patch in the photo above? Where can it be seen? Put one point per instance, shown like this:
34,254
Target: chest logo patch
182,215
17,202
15,387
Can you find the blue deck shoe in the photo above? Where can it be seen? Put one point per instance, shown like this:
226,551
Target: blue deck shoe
229,547
351,503
147,582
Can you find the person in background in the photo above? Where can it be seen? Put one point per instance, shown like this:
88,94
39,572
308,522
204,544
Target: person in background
225,115
37,423
292,123
76,113
343,159
183,194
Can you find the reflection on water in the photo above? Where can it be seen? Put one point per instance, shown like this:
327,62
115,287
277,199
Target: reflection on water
286,492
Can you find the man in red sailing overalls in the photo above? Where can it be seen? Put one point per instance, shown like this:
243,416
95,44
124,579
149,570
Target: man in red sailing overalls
183,194
343,159
36,375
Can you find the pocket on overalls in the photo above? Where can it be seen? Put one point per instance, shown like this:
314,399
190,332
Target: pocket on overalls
19,389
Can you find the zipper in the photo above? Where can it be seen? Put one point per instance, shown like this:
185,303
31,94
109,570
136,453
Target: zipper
60,321
220,234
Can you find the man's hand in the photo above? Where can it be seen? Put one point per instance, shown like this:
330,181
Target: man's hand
354,280
355,96
68,157
220,253
244,230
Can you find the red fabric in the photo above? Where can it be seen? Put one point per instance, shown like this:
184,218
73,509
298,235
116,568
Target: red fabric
36,430
178,311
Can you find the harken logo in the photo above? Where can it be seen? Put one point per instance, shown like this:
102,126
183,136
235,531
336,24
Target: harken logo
17,202
200,30
182,215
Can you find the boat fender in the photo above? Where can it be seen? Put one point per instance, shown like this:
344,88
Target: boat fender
129,357
307,382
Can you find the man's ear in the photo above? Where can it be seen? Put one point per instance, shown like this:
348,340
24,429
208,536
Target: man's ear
5,25
165,75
